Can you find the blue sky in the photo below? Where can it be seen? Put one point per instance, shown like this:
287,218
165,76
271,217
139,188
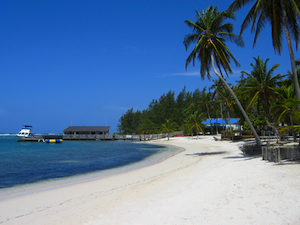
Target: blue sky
79,62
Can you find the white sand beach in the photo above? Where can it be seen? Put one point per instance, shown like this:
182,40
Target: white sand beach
211,182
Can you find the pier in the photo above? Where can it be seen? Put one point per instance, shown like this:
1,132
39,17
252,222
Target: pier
100,137
110,137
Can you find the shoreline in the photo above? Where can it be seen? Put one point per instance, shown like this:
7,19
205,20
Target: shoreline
208,183
54,183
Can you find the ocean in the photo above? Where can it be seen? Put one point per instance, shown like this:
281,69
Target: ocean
30,162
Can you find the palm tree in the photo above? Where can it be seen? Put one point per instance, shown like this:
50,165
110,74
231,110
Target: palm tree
282,14
206,101
286,106
217,95
210,33
261,85
168,127
290,77
194,121
222,94
295,128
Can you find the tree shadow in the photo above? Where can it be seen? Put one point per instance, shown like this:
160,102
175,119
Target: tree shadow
287,163
243,157
244,141
206,153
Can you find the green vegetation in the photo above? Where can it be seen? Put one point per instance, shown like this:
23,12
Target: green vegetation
271,100
194,123
282,15
210,33
168,127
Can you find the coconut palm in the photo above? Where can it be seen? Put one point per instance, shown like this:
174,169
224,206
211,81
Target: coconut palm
206,101
168,127
261,85
194,121
210,33
282,15
288,109
294,128
286,106
222,94
290,77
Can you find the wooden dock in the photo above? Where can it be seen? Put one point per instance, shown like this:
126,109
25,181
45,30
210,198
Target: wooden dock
93,137
110,137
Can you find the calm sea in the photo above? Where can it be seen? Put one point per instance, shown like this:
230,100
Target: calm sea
28,162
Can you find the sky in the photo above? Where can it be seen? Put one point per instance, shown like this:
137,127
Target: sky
85,63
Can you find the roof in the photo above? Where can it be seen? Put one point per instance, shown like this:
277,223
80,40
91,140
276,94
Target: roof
87,128
219,121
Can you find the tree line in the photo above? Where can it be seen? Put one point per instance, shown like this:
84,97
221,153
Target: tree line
268,97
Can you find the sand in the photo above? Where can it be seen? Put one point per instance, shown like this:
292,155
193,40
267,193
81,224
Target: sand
210,182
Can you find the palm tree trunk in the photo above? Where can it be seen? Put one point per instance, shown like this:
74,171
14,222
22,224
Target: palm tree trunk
211,128
293,131
289,42
229,120
257,138
222,115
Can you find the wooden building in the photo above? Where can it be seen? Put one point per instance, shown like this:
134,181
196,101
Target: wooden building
86,130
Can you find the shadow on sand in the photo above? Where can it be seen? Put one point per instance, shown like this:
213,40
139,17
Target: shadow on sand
287,163
243,157
206,153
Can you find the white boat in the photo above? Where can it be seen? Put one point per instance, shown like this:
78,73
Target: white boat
26,131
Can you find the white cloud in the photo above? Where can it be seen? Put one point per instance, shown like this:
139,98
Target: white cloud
235,74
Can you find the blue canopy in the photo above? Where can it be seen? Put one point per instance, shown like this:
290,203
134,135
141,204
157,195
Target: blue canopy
218,121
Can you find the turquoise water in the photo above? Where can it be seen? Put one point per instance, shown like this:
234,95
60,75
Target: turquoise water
28,162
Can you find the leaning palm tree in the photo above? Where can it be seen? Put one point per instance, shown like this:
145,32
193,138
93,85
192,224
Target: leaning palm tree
282,15
210,33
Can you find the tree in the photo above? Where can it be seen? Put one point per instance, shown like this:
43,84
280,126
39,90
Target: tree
222,94
194,121
206,101
282,15
217,95
295,128
286,106
180,106
146,125
168,127
126,125
290,77
261,85
210,33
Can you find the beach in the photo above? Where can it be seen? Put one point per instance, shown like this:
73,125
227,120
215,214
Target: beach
210,182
